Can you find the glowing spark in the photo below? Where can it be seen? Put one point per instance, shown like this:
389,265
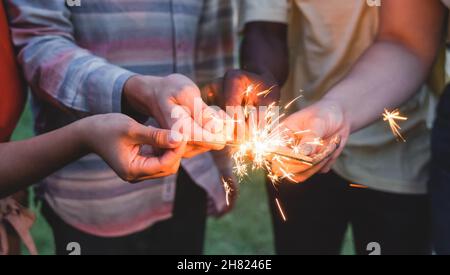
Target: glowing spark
358,186
296,149
228,190
283,215
302,132
292,102
273,178
316,141
265,93
249,90
287,175
391,118
261,147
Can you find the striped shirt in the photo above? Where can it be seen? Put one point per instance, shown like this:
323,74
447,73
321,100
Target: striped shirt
76,60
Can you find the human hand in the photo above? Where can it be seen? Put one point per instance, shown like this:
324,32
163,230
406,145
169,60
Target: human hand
321,122
118,140
237,82
175,102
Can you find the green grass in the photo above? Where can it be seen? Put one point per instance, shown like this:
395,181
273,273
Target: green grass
246,231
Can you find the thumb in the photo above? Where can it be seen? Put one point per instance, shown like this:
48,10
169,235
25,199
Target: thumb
160,138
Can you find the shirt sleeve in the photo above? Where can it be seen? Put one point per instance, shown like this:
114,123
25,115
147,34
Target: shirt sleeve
275,11
216,45
56,68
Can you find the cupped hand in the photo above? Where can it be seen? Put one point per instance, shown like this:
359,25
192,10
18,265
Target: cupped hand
118,140
175,102
314,128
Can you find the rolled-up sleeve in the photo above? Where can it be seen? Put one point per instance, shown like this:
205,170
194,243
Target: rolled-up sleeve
275,11
56,68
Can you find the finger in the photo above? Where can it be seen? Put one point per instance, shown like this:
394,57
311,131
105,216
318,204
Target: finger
212,120
233,89
212,93
194,151
327,168
206,139
159,138
167,164
200,112
285,169
304,176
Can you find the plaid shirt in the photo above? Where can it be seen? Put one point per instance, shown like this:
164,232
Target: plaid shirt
76,60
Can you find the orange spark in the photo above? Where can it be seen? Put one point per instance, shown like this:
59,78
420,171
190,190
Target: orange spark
391,118
292,102
228,190
281,210
358,186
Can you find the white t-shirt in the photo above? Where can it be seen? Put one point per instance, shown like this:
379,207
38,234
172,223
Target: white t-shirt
326,38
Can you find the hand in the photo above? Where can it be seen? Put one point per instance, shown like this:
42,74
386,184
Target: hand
175,102
118,140
236,82
239,88
325,120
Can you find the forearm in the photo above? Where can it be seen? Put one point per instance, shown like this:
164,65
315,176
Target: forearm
264,50
386,76
26,162
58,70
396,65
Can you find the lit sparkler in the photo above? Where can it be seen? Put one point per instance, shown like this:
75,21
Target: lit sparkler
267,142
392,118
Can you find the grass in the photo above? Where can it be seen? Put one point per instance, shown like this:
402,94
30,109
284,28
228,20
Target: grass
246,231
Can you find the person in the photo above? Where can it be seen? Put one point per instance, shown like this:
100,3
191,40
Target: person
140,59
352,60
114,137
439,184
13,99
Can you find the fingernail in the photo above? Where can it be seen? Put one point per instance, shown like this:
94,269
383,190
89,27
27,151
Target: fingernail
175,137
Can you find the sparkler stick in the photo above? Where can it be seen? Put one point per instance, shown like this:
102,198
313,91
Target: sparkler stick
267,144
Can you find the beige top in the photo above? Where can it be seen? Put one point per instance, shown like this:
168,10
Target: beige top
326,39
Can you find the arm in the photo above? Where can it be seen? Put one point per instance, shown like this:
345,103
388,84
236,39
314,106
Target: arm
61,72
264,50
396,65
114,137
388,74
264,61
57,69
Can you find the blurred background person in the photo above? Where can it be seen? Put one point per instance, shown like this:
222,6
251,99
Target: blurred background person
80,62
352,61
12,101
440,170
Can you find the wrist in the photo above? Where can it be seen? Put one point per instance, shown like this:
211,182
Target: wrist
335,111
139,94
81,131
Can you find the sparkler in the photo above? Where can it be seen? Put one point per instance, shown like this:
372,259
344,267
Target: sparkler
268,142
391,118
